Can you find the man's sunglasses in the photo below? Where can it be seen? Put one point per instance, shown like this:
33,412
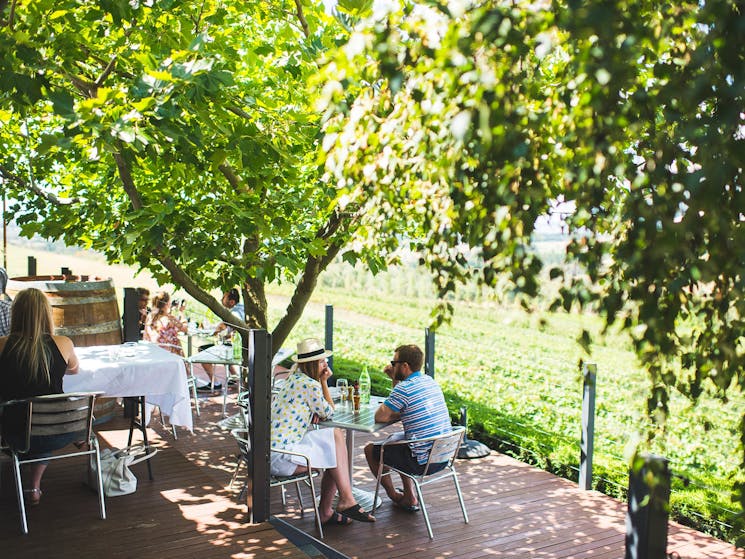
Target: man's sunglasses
393,363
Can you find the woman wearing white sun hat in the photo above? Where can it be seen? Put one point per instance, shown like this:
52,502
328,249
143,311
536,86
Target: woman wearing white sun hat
304,394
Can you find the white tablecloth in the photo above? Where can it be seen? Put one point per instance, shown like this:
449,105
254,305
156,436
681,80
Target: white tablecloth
141,369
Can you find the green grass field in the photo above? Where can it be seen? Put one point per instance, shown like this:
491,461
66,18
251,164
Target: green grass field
517,373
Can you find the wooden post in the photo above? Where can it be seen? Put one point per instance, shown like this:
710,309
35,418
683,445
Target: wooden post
589,373
131,315
330,333
429,352
31,266
646,518
259,385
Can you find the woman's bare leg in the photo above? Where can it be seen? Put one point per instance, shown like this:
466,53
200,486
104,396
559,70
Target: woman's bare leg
338,478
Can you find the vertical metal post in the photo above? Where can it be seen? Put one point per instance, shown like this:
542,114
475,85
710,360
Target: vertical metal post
259,385
646,518
330,333
5,235
31,266
589,373
131,315
429,352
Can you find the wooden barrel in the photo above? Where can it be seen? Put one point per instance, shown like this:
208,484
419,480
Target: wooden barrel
85,311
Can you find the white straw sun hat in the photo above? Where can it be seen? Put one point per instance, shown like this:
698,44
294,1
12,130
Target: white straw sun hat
310,349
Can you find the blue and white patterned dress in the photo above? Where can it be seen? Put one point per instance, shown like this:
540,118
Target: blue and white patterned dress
292,412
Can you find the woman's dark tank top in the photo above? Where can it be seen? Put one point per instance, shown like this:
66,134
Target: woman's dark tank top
15,382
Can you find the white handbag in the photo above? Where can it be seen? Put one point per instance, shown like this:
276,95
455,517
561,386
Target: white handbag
116,476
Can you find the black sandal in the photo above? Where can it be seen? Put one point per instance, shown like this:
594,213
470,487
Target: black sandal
356,512
336,519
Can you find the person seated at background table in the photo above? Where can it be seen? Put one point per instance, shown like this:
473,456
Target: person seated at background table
230,300
178,309
143,310
162,327
303,399
417,400
32,363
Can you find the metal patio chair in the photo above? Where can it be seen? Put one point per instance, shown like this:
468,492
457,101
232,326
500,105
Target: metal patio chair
444,450
55,414
244,445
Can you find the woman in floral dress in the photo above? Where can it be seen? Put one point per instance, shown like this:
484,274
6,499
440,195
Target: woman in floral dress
303,398
162,327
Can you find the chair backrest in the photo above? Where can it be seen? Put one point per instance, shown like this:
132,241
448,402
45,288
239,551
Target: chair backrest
62,413
445,447
57,414
244,442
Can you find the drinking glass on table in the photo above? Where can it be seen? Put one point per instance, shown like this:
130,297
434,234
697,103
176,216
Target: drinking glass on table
341,384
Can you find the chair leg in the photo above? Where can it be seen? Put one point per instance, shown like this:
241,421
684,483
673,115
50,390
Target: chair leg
225,389
460,497
424,510
300,498
194,394
101,502
19,493
315,506
377,485
235,473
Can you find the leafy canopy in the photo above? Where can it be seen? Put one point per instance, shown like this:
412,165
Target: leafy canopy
179,136
472,119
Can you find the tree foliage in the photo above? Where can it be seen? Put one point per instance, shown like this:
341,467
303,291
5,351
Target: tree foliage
471,119
179,136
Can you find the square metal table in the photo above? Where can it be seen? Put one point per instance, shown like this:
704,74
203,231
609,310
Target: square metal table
345,418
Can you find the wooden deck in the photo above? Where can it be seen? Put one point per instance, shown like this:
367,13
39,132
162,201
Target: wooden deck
515,510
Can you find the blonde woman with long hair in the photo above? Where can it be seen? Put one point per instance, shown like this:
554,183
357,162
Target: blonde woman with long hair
33,362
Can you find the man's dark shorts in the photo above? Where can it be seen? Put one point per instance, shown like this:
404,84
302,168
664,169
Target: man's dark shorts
400,457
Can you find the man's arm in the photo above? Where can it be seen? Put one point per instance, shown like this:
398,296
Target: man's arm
384,414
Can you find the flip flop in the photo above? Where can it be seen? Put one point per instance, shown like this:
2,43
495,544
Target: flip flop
356,512
337,519
407,508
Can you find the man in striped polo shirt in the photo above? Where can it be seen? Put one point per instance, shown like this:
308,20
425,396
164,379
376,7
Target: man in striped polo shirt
416,400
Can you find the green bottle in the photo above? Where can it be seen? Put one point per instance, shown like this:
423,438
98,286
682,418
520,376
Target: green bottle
364,387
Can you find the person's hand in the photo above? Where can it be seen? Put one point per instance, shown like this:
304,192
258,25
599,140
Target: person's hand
326,372
315,419
388,370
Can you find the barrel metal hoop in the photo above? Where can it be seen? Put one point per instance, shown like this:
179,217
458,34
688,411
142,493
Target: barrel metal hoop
65,301
85,330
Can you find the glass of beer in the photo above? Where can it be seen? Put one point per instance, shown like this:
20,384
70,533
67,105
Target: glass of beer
342,384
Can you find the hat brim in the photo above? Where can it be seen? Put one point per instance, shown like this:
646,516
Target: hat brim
326,353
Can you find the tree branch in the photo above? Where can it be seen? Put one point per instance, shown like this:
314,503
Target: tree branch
112,63
125,175
309,277
180,277
301,16
30,185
